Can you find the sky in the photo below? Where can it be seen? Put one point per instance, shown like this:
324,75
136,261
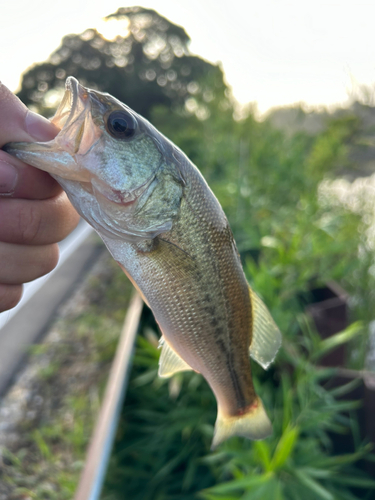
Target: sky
273,52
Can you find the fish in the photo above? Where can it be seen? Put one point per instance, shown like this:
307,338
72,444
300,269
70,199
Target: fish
164,226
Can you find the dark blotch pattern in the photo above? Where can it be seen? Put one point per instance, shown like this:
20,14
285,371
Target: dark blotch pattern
199,295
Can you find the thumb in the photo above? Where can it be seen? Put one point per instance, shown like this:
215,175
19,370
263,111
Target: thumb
17,123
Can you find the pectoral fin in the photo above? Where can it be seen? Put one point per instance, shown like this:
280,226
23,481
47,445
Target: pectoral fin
169,361
266,337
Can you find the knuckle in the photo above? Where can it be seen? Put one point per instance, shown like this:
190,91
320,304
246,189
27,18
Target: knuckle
49,260
29,223
68,216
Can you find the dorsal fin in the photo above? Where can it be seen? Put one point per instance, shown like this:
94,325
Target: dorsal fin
169,361
266,337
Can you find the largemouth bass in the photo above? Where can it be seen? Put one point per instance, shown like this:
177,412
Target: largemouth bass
164,226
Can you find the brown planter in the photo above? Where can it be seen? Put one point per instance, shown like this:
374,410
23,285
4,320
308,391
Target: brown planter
364,392
329,311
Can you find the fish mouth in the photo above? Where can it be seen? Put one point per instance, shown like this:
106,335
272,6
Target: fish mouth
73,118
74,99
77,135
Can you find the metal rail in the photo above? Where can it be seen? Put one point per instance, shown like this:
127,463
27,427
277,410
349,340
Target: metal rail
99,450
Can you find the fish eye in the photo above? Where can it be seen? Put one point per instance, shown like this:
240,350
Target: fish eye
121,124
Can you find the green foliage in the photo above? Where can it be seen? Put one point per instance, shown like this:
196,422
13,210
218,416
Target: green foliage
163,444
330,150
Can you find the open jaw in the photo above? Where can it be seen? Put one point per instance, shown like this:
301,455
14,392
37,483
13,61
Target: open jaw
73,117
77,135
68,103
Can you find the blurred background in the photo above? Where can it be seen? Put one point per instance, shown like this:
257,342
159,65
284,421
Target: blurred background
274,102
272,53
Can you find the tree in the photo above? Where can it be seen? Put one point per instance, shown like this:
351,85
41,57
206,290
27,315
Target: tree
149,65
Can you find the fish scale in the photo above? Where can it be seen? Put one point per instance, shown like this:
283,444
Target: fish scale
211,248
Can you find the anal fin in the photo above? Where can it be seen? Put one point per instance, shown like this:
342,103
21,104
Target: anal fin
169,361
266,337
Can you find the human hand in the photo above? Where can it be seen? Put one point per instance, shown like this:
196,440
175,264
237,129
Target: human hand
34,211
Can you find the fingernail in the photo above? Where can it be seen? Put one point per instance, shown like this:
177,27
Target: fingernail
8,177
39,127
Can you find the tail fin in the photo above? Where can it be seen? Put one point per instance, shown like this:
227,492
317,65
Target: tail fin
254,424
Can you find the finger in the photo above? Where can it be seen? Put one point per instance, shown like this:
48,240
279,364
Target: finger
26,263
36,222
18,180
17,123
10,295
